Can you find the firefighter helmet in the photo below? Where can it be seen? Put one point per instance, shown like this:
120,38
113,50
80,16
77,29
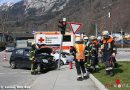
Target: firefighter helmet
92,37
77,39
105,33
85,38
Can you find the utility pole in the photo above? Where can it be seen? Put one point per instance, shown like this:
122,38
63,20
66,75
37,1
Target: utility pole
96,30
122,41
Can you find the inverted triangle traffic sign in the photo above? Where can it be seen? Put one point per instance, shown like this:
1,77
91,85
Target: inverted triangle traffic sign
75,26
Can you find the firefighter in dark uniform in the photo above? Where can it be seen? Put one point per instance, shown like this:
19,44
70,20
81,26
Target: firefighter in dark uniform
87,53
86,42
108,49
32,57
92,51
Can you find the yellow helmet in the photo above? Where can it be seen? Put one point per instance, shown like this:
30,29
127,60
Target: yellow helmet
105,33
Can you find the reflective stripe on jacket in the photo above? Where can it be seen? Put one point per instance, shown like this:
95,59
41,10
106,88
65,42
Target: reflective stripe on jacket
80,48
32,55
108,42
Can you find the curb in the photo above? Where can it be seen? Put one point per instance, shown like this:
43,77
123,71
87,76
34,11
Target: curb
120,60
97,82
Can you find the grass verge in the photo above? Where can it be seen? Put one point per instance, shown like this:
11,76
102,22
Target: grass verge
122,74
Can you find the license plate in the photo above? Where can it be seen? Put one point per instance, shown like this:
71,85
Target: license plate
45,61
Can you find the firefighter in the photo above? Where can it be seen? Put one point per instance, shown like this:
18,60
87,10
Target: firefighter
108,51
32,57
85,40
79,49
87,54
92,51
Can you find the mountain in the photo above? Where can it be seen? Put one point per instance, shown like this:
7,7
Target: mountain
45,5
6,5
29,15
26,12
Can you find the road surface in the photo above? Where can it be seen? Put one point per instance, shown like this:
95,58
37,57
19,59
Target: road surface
65,79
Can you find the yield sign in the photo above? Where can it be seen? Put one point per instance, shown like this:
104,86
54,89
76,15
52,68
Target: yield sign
75,26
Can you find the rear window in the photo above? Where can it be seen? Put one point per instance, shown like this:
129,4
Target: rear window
67,38
19,52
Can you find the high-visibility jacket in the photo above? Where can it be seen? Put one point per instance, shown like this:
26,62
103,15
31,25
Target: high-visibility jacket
80,49
95,42
108,42
32,55
108,48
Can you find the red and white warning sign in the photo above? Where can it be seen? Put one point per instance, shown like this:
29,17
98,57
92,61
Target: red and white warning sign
75,26
48,38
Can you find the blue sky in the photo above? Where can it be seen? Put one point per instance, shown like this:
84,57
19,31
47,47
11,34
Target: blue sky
3,1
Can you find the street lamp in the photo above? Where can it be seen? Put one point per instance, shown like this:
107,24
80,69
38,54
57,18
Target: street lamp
96,26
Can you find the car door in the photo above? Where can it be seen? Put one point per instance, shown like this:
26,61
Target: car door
26,60
19,57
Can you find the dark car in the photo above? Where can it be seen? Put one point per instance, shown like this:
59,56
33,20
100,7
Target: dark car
20,58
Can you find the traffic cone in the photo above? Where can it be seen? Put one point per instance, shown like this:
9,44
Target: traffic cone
5,57
70,65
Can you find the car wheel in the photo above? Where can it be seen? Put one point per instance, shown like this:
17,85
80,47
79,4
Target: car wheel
61,62
13,65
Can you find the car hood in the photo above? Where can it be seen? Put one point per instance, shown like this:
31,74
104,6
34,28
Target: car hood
44,50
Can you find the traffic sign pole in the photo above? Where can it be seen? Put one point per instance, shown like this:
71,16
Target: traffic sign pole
59,61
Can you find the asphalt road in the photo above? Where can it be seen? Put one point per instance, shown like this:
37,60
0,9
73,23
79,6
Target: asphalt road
14,77
123,54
